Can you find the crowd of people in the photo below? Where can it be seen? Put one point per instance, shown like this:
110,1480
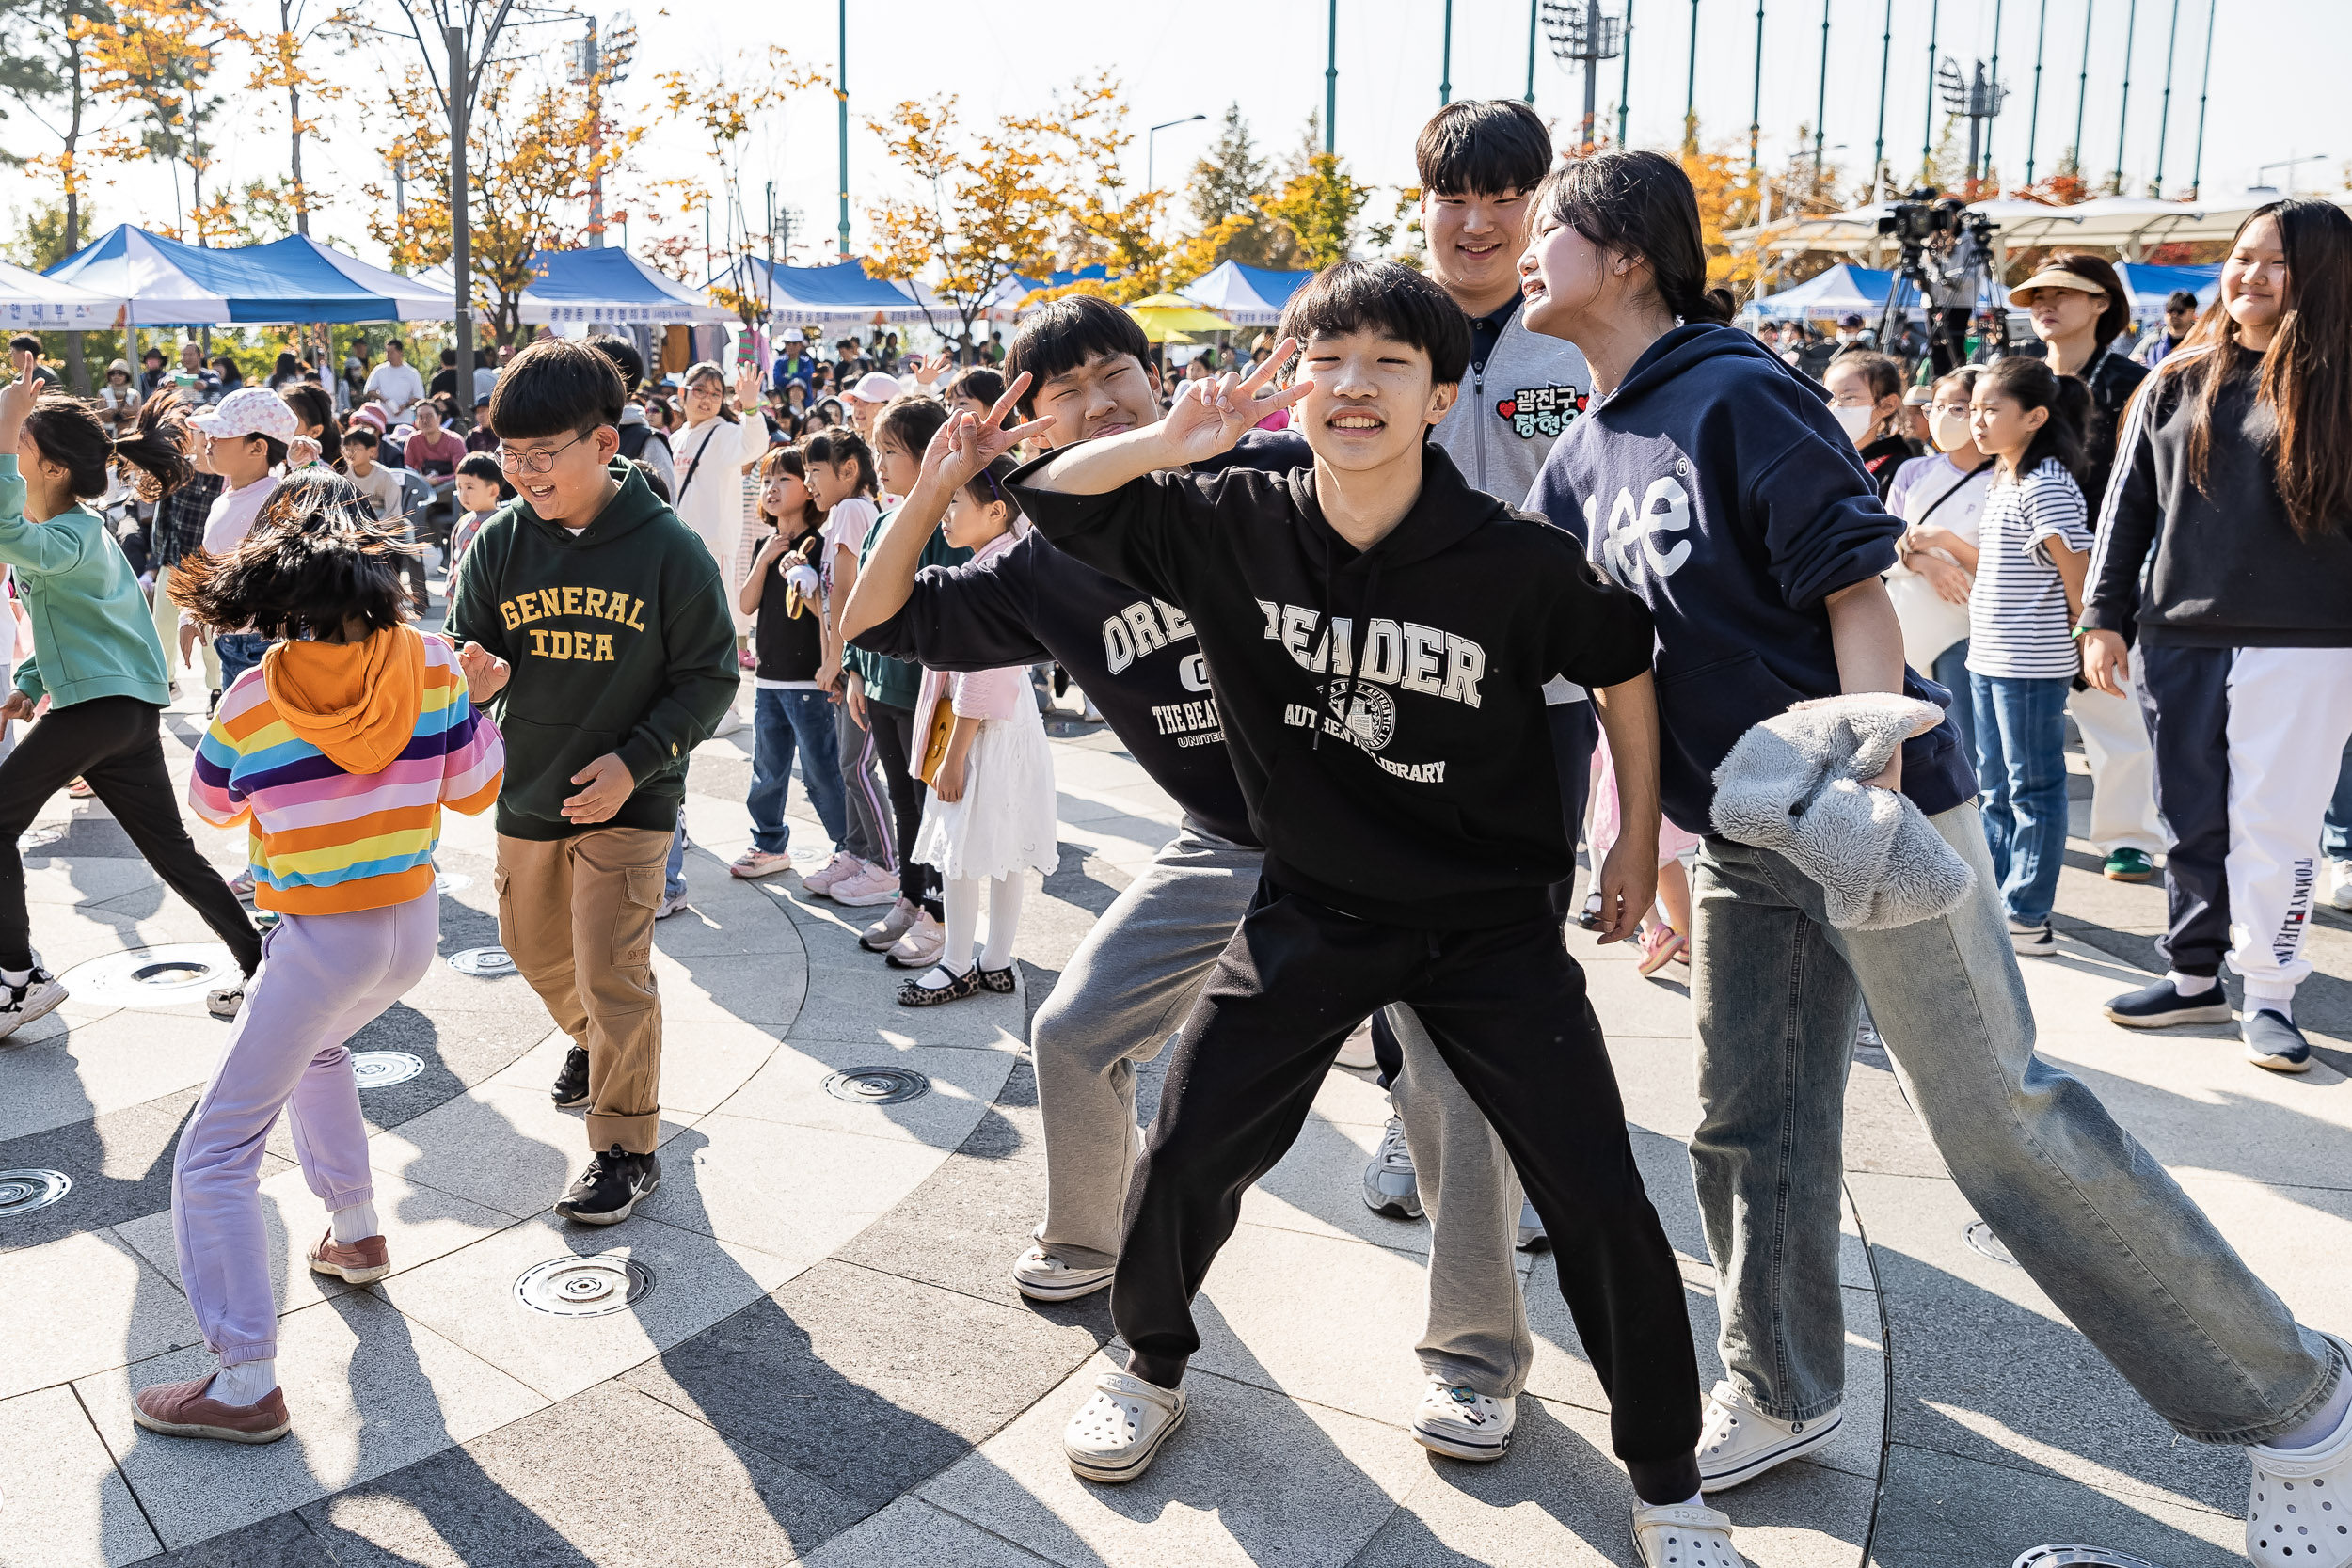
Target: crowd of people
1548,552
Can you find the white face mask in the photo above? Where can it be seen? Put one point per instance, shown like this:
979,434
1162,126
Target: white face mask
1854,421
1949,431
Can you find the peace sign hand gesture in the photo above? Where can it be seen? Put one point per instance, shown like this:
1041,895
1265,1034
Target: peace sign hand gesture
1210,416
17,399
964,445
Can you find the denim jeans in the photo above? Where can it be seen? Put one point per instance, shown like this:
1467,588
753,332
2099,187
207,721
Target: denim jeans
239,651
2096,1221
2021,767
674,868
782,722
1951,672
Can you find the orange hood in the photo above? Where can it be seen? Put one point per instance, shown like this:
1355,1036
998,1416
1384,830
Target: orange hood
356,702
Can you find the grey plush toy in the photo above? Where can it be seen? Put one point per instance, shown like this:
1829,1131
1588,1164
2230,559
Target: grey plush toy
1792,785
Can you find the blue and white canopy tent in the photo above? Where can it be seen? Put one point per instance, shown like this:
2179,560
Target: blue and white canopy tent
1844,290
293,279
2150,287
1246,297
31,303
607,285
823,297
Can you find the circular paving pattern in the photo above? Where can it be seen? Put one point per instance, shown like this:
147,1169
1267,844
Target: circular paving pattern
583,1287
486,962
2078,1556
452,881
380,1069
1979,1237
23,1191
164,976
877,1086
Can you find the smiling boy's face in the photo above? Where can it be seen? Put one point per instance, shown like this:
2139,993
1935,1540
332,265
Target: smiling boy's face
578,481
1372,402
1107,395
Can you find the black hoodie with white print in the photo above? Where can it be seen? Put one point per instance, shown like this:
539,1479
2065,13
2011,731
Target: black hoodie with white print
1384,708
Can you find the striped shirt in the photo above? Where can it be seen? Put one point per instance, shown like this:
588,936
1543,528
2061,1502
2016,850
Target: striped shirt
328,842
2018,625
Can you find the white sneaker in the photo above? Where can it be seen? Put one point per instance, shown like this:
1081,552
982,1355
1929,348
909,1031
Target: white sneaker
2299,1509
1459,1421
920,945
2032,941
871,886
1040,1275
1356,1050
1738,1442
1390,1186
669,907
1532,1237
2340,884
1685,1536
226,1001
21,1005
1114,1434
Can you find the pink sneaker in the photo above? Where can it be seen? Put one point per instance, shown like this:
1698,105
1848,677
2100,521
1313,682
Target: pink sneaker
873,885
1660,943
840,868
759,862
184,1410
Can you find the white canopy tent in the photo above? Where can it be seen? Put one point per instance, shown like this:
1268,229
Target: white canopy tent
31,303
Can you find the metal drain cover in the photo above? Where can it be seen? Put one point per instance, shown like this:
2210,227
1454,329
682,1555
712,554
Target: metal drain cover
584,1287
877,1086
162,977
23,1191
380,1069
1979,1236
2078,1556
452,881
487,962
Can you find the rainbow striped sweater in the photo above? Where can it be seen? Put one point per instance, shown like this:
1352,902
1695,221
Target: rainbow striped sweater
340,757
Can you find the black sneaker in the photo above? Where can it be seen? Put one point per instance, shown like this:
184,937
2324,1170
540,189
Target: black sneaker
21,1005
2161,1006
608,1189
571,1084
2272,1041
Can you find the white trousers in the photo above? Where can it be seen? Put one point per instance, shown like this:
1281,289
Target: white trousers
2122,771
2290,715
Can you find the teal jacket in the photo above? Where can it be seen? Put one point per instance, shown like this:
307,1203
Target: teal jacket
93,635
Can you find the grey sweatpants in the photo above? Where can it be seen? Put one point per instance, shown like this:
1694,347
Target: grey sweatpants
1126,990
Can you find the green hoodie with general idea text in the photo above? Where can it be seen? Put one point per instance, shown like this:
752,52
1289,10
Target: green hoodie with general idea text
620,642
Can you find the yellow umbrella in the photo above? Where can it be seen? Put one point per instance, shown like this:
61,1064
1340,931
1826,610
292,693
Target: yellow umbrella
1167,319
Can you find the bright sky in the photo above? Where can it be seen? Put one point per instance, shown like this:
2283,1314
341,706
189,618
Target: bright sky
2275,87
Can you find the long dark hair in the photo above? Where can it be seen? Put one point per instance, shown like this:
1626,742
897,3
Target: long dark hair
2305,375
315,560
1639,204
68,432
2033,385
311,405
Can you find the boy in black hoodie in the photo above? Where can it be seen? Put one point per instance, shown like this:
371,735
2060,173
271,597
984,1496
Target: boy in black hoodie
612,617
1378,636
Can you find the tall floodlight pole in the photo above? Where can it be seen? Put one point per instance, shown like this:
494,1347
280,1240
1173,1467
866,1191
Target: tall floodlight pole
2123,117
460,227
1625,73
1533,7
1445,59
2082,89
1886,61
1998,94
1691,88
2204,79
1821,104
1332,79
2164,114
841,98
1756,101
1926,131
2033,115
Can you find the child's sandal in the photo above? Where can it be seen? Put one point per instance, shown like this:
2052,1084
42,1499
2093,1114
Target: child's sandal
997,980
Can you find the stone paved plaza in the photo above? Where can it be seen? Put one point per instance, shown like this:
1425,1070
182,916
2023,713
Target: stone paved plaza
832,1365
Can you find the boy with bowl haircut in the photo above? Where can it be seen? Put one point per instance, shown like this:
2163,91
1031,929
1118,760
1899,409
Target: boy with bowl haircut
1378,636
610,614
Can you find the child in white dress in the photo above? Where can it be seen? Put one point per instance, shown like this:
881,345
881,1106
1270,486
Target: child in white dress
990,815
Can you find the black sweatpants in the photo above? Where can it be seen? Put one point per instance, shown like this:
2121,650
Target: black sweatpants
2184,693
894,744
112,743
1506,1008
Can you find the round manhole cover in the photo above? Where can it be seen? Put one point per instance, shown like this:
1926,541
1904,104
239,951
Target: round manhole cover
164,977
452,881
487,962
583,1287
1979,1236
877,1086
2078,1556
23,1191
380,1069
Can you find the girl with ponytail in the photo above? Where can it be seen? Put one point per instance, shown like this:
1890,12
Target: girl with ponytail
1711,480
97,662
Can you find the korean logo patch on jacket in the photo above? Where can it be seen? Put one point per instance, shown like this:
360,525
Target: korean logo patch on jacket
1535,411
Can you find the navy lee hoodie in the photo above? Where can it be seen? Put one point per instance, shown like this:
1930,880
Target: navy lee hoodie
1384,708
1715,485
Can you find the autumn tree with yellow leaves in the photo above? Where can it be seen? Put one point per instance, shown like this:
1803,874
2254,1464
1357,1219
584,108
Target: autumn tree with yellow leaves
725,105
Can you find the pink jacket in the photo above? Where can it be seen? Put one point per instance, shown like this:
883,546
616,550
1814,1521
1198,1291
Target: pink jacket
979,693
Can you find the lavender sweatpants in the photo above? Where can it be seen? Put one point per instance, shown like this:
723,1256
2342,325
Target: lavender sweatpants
323,978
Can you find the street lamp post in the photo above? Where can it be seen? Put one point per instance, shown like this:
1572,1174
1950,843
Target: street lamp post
1445,59
2033,115
841,94
1926,131
2204,80
2164,116
1150,151
1331,79
2288,164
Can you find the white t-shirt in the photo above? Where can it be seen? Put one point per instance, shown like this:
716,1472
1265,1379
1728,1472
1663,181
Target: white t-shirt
381,485
2018,625
227,524
402,388
708,498
846,528
1934,491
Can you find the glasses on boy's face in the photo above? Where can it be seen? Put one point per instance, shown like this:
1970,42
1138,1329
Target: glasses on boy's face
539,461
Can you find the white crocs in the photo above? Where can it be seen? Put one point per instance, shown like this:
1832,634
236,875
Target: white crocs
2298,1511
1683,1535
1459,1421
1114,1434
1738,1442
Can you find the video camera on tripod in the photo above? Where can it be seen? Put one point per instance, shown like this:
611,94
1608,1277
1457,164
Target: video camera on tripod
1948,256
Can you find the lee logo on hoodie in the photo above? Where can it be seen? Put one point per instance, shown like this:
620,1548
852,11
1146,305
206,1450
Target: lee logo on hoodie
1542,410
1641,537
